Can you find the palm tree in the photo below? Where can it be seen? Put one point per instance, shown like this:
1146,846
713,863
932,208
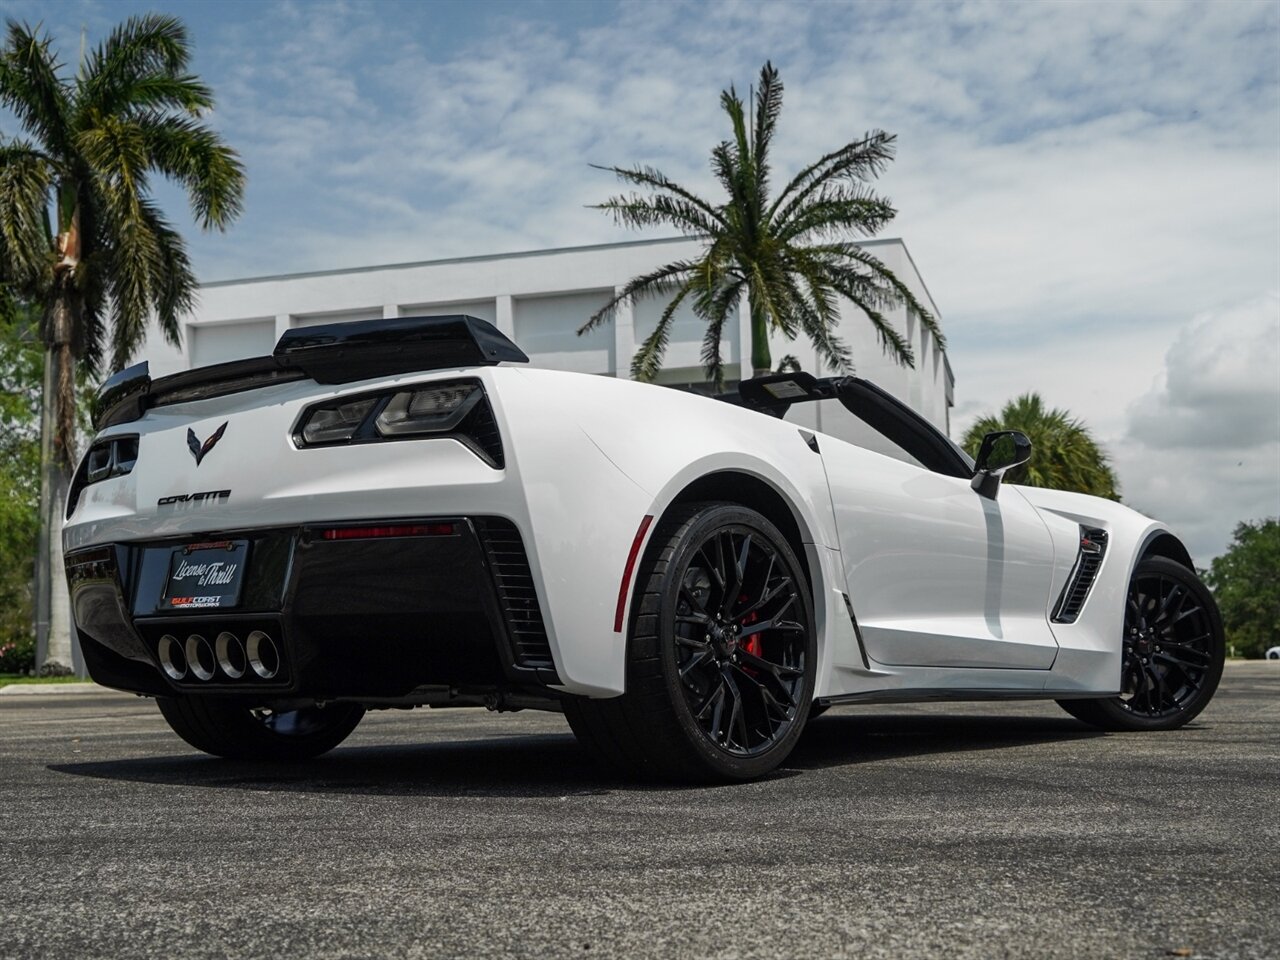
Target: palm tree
80,233
791,255
1064,455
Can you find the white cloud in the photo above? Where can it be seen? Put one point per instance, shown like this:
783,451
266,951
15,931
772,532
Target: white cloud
1202,450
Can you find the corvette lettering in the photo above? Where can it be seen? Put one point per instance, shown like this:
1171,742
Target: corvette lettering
202,497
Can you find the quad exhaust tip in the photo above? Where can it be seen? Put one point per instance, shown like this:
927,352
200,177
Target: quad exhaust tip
172,660
227,654
231,656
263,654
200,657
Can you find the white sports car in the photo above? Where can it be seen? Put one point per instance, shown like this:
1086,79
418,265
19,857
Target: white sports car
396,513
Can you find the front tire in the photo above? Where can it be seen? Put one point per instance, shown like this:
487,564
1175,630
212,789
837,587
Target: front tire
1173,653
722,654
232,730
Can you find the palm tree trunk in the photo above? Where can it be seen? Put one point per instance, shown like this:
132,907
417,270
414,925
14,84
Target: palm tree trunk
57,448
761,360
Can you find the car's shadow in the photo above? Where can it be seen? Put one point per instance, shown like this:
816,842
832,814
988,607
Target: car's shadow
840,739
554,765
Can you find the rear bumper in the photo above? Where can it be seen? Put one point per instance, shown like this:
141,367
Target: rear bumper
376,617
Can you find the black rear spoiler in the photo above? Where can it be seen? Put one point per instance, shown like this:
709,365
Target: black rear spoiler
331,353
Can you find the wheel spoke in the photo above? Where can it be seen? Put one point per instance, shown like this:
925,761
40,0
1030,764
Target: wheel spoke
1176,591
739,574
737,716
778,690
713,567
1190,672
714,695
774,622
760,663
691,598
693,642
697,660
1185,655
783,584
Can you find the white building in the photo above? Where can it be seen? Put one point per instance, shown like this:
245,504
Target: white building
539,299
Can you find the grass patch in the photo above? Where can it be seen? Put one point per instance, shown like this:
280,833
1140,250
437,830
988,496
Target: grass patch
8,678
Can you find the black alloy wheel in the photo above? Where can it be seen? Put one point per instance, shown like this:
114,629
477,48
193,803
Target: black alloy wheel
741,638
721,657
1168,646
1172,652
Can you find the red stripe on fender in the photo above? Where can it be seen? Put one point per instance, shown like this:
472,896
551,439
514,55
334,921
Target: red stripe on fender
626,573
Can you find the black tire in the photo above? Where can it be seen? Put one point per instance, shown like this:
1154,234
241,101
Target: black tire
239,732
1173,653
760,666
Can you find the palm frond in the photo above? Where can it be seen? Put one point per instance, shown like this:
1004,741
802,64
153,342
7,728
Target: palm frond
117,153
644,176
135,260
837,211
639,212
139,95
195,156
819,314
852,251
712,362
768,296
647,362
173,283
848,284
726,164
31,88
152,45
713,304
658,281
26,178
860,160
768,109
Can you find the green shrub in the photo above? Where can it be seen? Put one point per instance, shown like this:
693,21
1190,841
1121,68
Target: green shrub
1246,583
18,655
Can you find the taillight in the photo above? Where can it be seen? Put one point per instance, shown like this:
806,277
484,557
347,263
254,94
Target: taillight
112,457
432,410
456,409
338,423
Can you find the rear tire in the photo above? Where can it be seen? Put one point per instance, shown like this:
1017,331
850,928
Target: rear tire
1172,656
721,657
232,730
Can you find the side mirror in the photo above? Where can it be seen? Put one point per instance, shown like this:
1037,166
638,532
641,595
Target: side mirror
1000,451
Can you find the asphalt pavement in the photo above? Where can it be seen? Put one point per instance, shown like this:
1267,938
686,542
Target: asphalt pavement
943,830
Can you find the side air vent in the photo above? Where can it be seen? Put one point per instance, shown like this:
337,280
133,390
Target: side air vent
516,593
1093,547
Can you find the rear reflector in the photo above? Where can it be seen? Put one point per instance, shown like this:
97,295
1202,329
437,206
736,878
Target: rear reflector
626,573
400,530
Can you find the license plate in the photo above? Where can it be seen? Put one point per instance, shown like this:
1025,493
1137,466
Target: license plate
206,576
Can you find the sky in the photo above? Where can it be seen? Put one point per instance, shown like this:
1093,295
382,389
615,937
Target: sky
1091,191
